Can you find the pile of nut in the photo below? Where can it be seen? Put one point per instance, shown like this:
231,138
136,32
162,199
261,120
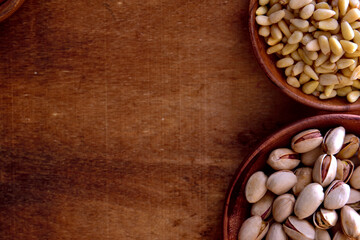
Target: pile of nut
305,202
318,43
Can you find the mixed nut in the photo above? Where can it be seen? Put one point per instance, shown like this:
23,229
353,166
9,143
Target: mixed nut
314,192
317,42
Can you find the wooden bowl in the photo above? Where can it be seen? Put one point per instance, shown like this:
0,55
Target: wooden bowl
8,7
277,76
237,209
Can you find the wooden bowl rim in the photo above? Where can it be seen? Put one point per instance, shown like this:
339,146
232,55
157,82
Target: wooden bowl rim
311,102
247,160
9,10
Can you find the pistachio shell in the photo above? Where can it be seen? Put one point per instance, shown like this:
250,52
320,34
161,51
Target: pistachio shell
325,219
306,141
299,229
256,187
309,158
350,222
254,228
325,169
276,232
304,177
333,140
350,147
355,179
354,199
263,207
336,195
283,207
309,200
321,234
345,169
281,181
283,159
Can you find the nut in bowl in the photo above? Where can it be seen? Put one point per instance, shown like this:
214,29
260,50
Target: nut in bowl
323,198
310,49
8,7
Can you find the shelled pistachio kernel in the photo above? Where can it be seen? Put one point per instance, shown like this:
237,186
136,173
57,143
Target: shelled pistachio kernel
324,36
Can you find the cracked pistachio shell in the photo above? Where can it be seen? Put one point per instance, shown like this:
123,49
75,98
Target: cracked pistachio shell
336,195
304,178
281,181
283,207
321,234
256,187
350,147
355,179
309,200
345,169
276,232
254,228
263,207
333,140
309,158
306,140
324,218
298,229
324,171
354,199
350,222
340,236
283,159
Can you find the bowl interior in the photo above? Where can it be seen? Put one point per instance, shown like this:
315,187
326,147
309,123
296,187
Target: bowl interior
237,209
8,7
277,76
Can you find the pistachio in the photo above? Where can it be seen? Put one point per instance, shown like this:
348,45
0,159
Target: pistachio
276,232
304,178
354,199
355,179
283,159
350,222
325,169
256,187
333,140
298,229
263,207
309,200
283,207
306,141
281,181
321,234
325,219
254,228
310,157
336,195
345,169
349,148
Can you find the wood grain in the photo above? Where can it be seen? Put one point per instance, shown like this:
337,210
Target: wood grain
128,119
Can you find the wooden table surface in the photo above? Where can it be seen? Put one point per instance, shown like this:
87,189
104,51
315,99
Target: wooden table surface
128,119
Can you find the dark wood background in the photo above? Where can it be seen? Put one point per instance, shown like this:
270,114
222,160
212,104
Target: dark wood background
128,119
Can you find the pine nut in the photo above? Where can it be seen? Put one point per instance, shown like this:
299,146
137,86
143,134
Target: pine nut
306,39
346,72
356,84
342,92
320,88
275,32
354,3
285,62
305,58
263,2
276,16
356,73
292,81
331,95
310,87
297,4
328,90
322,5
321,59
343,6
307,11
353,96
347,31
289,48
263,20
353,55
329,24
304,78
288,70
335,46
356,37
329,65
320,70
334,58
355,25
352,15
288,15
300,23
310,72
272,41
328,79
284,28
298,68
276,7
295,37
295,55
345,81
313,45
324,44
261,10
264,31
348,46
344,63
354,65
275,48
322,14
311,55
